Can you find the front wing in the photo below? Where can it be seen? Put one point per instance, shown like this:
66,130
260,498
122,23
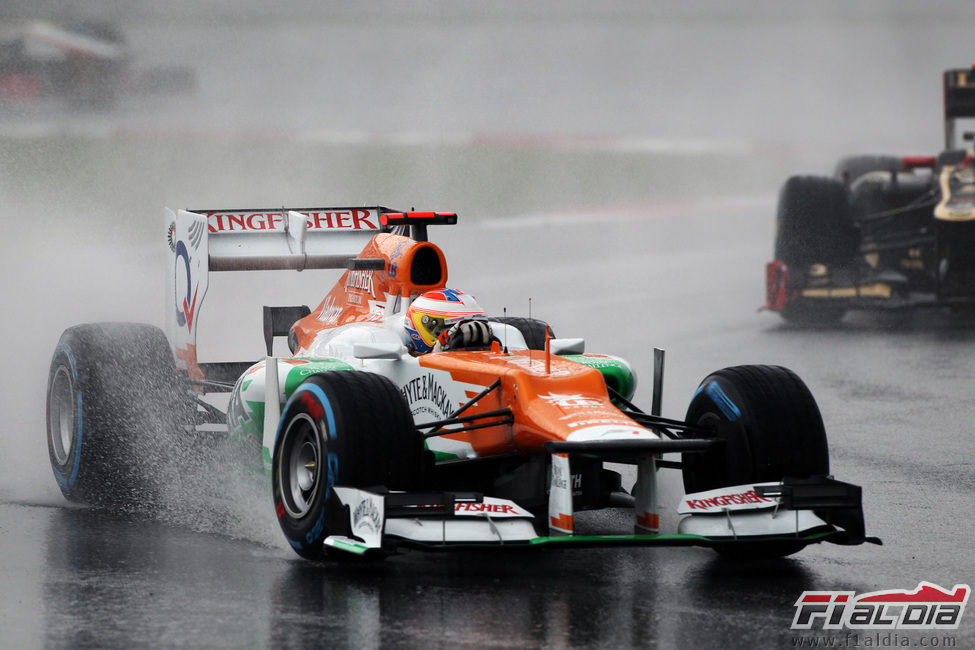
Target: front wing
793,511
880,293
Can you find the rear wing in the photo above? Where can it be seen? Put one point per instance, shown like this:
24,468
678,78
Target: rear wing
201,241
959,100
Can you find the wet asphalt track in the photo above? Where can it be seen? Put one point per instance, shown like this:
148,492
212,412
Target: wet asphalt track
670,264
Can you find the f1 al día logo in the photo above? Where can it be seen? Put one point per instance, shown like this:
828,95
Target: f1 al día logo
926,608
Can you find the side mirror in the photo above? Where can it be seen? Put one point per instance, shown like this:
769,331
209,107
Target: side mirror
378,350
567,346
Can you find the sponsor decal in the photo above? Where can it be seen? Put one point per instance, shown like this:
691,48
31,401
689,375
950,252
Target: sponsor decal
559,479
589,423
929,606
366,515
723,500
571,401
598,361
186,305
360,281
490,508
186,309
394,259
530,364
617,431
236,222
621,433
426,388
330,312
964,176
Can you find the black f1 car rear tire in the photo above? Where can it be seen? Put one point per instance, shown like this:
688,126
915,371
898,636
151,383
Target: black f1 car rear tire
813,223
344,428
531,328
814,227
772,428
113,394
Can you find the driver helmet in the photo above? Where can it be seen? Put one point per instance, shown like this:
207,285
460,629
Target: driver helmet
434,312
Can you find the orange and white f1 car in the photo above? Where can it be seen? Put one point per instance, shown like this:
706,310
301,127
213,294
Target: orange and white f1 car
371,448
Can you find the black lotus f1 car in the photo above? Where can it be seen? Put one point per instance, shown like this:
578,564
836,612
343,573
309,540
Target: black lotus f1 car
883,232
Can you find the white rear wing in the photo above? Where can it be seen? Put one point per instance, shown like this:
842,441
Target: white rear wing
201,241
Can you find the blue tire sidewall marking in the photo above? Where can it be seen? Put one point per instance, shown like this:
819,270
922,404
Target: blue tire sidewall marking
721,400
333,463
69,481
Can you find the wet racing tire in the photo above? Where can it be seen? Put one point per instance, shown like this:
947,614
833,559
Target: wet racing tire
814,227
114,397
531,328
344,428
772,428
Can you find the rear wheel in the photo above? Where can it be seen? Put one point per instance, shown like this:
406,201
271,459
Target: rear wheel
342,428
815,237
772,428
114,400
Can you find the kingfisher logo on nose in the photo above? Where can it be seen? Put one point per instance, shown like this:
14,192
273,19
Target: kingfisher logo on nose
927,607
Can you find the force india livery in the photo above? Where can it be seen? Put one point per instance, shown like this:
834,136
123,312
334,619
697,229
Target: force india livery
371,447
884,232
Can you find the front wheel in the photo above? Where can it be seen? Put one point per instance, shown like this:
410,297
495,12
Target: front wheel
772,428
770,423
343,428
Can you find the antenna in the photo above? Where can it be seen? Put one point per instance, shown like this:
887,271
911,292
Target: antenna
504,312
548,350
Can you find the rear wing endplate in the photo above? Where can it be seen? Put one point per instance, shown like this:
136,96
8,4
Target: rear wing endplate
959,100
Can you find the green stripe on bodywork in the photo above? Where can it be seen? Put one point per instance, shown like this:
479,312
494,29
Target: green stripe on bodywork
604,541
616,372
440,456
677,539
302,372
254,426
